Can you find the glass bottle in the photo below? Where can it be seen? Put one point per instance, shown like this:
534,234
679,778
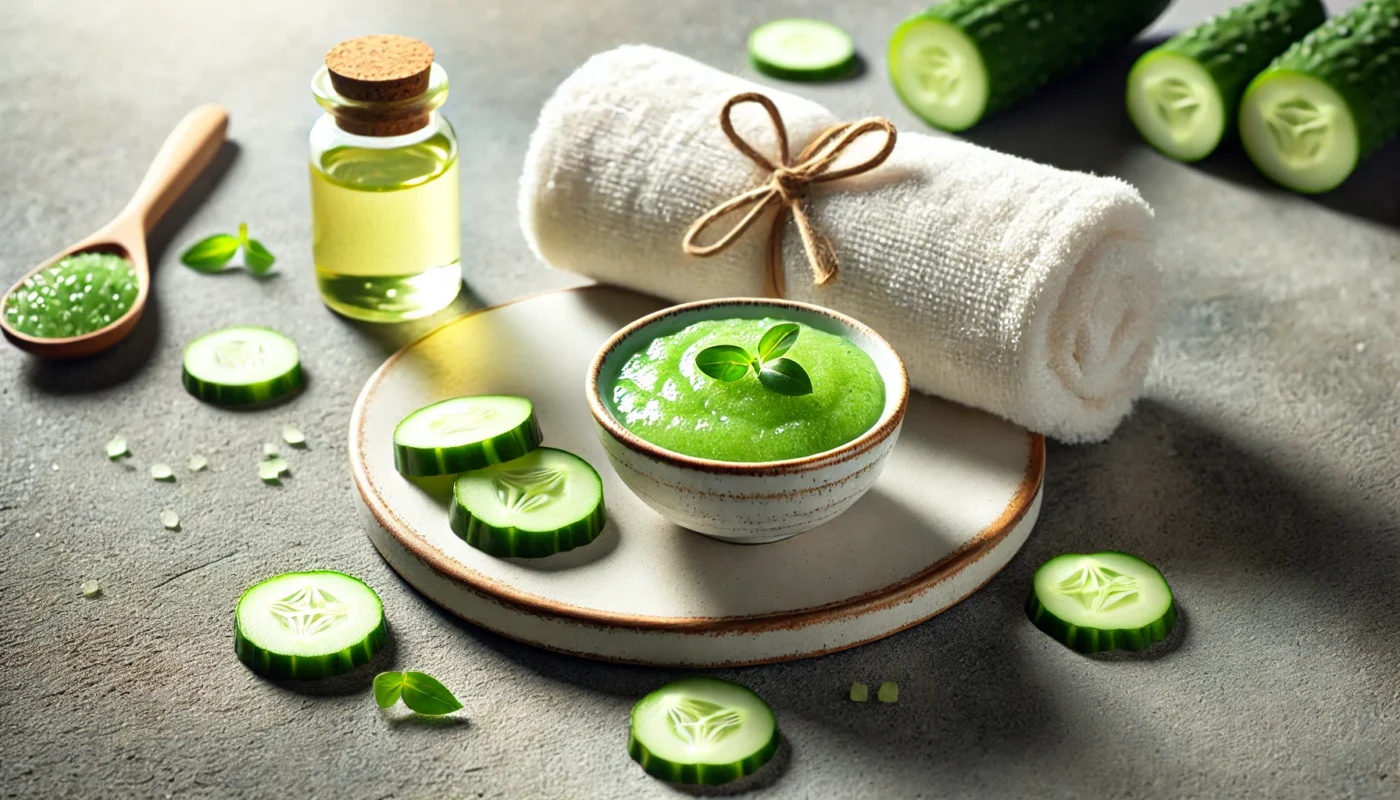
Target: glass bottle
385,197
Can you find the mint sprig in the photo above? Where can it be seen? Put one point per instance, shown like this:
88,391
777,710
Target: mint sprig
729,362
419,691
212,253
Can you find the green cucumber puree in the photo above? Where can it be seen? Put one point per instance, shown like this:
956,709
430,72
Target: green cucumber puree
662,397
80,294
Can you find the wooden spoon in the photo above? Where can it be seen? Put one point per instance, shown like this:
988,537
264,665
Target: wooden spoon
186,152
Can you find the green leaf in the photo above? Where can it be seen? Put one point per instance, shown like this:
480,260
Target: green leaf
256,257
425,695
387,687
211,254
777,340
724,362
786,377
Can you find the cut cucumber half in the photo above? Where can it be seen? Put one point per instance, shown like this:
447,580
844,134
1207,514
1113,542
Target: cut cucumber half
542,503
1184,93
702,731
1176,105
308,625
1299,132
465,433
1329,101
801,50
242,366
964,59
1101,601
938,73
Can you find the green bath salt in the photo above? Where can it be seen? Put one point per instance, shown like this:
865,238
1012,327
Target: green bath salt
80,294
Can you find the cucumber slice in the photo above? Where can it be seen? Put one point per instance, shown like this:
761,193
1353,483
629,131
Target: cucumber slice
465,433
801,50
1102,601
1185,93
1328,102
702,731
241,366
964,59
308,625
542,503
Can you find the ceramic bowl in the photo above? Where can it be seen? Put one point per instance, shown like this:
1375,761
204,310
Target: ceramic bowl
747,502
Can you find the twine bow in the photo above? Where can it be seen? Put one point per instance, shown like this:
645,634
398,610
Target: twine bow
787,187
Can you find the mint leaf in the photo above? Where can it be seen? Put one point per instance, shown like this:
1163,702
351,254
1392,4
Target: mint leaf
777,340
786,377
211,254
724,362
425,695
387,687
256,257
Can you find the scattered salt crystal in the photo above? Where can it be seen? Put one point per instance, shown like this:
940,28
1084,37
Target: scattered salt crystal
269,472
1360,347
271,450
293,437
90,589
162,472
197,463
889,692
860,693
116,448
169,519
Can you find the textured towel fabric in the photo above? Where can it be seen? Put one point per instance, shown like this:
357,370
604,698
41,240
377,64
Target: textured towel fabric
1006,285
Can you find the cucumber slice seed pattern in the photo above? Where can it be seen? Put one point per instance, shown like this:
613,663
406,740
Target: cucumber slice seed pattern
940,73
519,491
308,611
236,353
700,723
1301,131
1100,588
1176,103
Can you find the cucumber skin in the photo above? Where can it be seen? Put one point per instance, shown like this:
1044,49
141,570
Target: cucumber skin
1020,59
426,462
515,543
1367,76
254,395
700,774
1094,640
1265,27
278,666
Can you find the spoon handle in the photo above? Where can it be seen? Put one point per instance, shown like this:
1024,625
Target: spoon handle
186,152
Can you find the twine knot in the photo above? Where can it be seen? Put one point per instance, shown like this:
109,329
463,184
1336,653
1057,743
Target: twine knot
788,186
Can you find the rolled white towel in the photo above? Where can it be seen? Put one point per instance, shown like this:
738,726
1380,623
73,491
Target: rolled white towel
1006,285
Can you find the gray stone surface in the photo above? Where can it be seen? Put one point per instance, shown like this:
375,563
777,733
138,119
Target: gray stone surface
1262,471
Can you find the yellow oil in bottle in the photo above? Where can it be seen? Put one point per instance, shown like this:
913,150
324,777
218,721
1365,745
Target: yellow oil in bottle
386,229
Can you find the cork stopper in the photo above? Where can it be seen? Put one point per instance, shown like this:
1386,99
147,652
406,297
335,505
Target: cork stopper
380,69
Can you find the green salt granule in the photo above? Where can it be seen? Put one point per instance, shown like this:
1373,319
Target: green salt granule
889,692
80,294
197,463
90,589
116,448
293,437
860,693
162,472
269,471
271,450
169,519
278,463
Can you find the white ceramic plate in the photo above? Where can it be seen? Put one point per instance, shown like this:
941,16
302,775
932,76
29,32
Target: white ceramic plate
956,501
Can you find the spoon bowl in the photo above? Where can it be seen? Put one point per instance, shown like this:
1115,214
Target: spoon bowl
186,152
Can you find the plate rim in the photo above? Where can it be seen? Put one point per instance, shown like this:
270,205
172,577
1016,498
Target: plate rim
901,591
